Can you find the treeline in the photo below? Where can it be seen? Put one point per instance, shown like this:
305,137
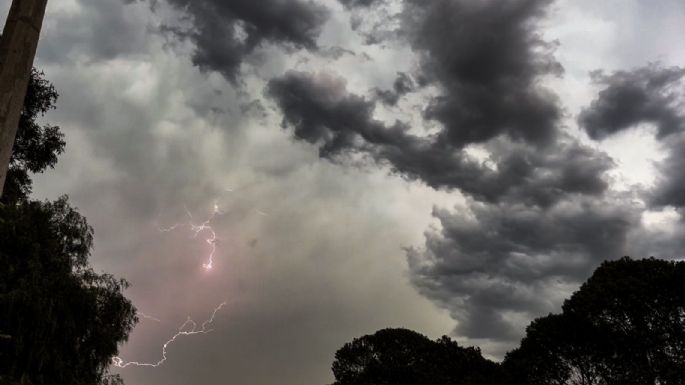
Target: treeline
625,326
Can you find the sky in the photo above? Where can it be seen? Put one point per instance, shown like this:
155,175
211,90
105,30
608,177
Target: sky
456,167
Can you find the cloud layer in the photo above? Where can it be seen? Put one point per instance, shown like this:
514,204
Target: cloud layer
540,214
224,33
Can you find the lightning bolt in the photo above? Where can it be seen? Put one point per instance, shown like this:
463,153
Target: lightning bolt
197,229
145,316
188,328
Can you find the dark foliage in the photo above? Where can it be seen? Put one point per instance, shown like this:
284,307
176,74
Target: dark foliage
60,321
36,147
626,325
404,357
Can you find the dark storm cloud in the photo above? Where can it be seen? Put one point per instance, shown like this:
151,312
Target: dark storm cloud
541,215
649,95
504,263
629,98
225,32
501,259
515,172
487,58
670,187
323,112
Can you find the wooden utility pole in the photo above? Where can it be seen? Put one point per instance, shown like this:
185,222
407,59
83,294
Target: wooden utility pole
18,45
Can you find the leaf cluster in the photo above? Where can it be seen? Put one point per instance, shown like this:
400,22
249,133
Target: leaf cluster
36,146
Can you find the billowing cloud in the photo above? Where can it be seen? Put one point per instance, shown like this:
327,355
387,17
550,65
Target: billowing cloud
670,188
487,59
489,88
629,98
97,31
648,95
539,214
504,262
224,33
323,112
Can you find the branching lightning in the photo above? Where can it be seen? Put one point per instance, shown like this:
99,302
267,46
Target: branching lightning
188,328
197,229
149,317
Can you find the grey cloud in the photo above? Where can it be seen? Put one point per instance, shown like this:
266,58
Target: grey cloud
402,85
487,59
97,31
521,173
500,259
650,94
629,98
490,92
322,112
358,3
225,32
670,187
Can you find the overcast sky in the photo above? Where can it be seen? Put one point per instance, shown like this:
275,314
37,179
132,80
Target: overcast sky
455,167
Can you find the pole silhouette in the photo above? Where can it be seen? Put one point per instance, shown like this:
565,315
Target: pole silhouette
18,45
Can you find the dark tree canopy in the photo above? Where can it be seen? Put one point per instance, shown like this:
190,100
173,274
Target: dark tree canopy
60,321
558,350
404,357
626,325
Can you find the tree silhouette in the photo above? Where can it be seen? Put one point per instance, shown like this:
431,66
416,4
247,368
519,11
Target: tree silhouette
558,350
36,147
404,357
60,322
626,325
18,44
